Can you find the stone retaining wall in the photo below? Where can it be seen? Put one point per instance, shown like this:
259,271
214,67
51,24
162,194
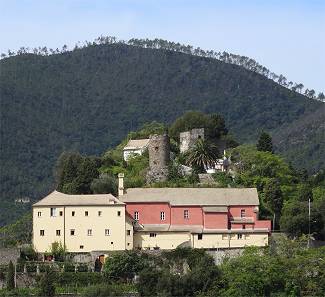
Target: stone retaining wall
8,254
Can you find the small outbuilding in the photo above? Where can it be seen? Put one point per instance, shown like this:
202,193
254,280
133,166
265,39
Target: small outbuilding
135,147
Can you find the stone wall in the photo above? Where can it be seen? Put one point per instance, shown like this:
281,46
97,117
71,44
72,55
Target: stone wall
220,254
188,139
8,254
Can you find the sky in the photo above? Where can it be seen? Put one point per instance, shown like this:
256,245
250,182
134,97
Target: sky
286,36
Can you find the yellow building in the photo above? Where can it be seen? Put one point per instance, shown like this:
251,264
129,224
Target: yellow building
82,223
150,218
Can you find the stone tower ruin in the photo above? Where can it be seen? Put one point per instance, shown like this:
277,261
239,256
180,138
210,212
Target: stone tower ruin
159,157
188,139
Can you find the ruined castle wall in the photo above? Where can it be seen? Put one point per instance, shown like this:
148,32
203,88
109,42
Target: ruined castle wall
189,138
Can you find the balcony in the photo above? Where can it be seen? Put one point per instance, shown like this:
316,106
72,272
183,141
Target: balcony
242,220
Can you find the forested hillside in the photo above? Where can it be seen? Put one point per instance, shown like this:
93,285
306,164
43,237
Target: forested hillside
90,98
303,141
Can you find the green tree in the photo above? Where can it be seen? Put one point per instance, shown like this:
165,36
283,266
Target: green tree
46,283
305,193
28,253
321,96
148,282
87,171
217,127
106,183
252,274
58,251
10,279
17,233
75,173
124,265
295,220
214,125
190,120
273,197
66,168
264,143
202,155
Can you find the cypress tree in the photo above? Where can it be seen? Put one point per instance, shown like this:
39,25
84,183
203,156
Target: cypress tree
10,280
264,143
274,199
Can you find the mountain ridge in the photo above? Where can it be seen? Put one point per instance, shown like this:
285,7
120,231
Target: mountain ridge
90,98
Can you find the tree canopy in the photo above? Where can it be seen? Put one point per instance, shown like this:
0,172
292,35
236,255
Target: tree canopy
265,143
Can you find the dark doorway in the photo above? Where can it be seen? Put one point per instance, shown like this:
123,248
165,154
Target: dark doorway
100,260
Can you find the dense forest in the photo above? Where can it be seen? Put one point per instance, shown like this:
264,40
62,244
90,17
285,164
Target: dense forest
90,98
303,141
226,57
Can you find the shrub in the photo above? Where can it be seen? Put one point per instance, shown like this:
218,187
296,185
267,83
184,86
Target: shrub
46,283
31,267
105,290
58,251
82,268
69,267
223,179
79,279
148,282
124,265
28,254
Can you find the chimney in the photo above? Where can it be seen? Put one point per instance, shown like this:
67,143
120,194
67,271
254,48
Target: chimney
120,184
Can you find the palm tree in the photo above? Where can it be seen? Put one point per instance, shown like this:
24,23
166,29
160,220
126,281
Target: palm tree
202,155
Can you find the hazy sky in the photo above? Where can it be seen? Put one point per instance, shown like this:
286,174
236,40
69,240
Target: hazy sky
286,36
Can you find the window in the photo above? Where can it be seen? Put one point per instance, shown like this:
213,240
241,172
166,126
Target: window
128,232
107,232
39,214
186,214
242,213
73,213
58,232
99,213
89,232
81,247
112,242
239,236
61,213
53,212
162,215
136,215
41,232
200,236
72,232
244,227
153,234
86,213
118,213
